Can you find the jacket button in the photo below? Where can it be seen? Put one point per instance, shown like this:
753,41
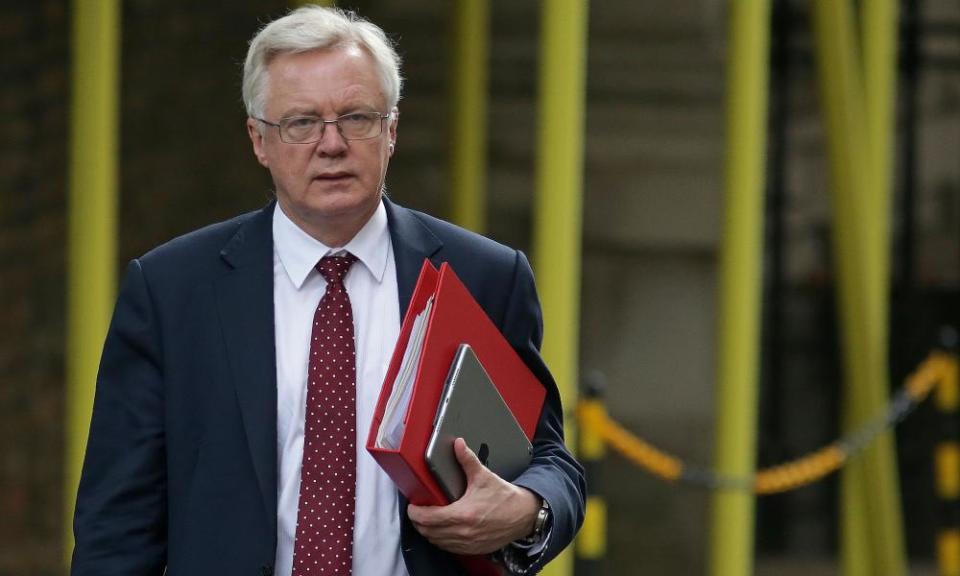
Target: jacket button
266,570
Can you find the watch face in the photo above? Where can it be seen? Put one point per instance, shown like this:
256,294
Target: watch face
543,519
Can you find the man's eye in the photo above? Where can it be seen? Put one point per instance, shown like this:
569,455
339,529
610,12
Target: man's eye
356,117
301,122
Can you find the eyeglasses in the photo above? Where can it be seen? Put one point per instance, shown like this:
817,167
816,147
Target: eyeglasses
309,129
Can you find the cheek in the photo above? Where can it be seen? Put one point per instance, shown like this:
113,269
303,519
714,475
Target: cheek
384,156
289,163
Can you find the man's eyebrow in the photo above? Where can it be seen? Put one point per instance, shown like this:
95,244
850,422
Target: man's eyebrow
348,108
299,111
355,107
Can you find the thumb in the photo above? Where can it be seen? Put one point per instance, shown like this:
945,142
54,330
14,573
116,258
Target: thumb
468,460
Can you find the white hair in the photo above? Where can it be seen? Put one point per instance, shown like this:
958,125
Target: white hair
317,28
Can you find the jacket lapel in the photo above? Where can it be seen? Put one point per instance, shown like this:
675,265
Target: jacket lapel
412,243
245,307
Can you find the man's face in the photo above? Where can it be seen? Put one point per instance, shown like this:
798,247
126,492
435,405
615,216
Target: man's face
331,187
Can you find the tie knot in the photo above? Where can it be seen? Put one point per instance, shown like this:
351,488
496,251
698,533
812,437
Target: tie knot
334,268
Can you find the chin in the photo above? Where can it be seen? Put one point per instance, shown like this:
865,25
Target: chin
341,205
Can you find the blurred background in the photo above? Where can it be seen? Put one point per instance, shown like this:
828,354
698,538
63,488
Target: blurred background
653,199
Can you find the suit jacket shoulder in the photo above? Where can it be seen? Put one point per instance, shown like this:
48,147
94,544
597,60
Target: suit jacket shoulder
200,254
487,268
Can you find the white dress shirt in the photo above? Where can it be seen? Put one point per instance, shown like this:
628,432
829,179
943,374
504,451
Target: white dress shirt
372,287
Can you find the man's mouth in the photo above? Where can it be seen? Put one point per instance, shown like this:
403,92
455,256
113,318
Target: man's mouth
333,176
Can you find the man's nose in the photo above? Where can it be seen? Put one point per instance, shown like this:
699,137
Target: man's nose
331,142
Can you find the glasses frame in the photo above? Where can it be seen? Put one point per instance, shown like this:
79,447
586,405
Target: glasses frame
323,126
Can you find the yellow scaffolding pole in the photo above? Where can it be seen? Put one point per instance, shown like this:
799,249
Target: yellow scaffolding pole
879,41
947,462
858,136
558,200
92,225
468,110
731,530
879,31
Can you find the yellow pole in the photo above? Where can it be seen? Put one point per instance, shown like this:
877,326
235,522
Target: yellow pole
879,42
468,107
591,544
872,539
837,62
879,31
731,529
558,201
92,227
947,467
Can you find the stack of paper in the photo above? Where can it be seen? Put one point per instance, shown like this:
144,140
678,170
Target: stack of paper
394,416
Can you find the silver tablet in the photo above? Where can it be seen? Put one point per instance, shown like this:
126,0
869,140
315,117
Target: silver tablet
471,408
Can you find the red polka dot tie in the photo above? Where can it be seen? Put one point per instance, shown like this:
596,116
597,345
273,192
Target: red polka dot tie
324,539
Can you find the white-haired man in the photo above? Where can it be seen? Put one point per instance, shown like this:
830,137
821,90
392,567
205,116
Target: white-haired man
221,443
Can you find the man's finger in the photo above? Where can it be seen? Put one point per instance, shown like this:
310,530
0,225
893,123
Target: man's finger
429,515
468,460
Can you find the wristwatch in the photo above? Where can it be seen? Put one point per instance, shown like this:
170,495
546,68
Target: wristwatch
541,525
516,557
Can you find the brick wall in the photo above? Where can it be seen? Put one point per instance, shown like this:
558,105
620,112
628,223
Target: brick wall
32,237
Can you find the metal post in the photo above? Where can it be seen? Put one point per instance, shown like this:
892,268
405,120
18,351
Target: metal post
872,526
879,44
591,545
558,201
731,530
468,109
947,461
92,225
880,35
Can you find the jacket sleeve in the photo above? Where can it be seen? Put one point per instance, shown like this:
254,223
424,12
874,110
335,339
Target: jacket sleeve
553,473
120,518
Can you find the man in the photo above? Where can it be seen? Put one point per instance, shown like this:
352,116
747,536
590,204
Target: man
220,442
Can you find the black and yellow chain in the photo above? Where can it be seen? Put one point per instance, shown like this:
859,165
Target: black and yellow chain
592,414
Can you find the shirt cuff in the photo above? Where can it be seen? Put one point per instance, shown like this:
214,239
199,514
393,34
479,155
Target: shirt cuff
533,548
519,557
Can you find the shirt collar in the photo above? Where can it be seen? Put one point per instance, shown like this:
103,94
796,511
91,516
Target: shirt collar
299,252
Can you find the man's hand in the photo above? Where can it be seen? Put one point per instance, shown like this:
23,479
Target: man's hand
491,514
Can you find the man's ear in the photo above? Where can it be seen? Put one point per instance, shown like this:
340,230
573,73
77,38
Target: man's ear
392,129
256,138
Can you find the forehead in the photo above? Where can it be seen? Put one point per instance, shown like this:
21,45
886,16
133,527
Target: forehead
323,81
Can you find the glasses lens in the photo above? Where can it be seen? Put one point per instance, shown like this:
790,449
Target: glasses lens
359,125
300,129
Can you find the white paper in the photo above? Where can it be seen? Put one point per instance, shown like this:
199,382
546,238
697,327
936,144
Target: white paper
392,425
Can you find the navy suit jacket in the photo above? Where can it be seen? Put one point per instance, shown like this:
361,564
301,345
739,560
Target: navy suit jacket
181,465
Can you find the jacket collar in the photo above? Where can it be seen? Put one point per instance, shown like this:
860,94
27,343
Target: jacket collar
412,243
